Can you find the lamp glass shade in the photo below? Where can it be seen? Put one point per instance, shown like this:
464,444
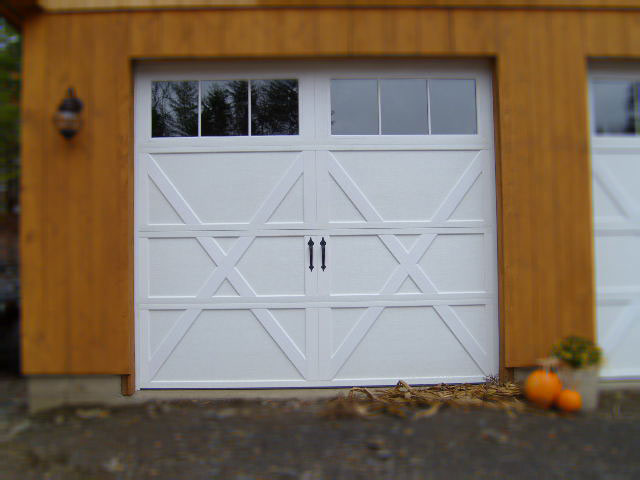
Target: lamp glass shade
67,122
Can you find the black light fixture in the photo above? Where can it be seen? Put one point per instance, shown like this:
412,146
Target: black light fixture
67,117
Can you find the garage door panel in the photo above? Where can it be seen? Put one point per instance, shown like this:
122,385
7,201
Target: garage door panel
473,207
160,323
238,345
160,210
616,195
618,261
605,208
407,342
208,188
620,172
477,319
437,186
275,265
619,335
430,263
458,263
357,265
212,268
177,267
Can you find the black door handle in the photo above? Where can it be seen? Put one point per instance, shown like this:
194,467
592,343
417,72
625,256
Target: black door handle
310,243
324,254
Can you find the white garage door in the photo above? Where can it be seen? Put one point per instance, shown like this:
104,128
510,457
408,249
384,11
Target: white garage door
314,225
616,197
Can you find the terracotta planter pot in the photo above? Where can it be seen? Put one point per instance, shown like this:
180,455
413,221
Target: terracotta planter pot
585,382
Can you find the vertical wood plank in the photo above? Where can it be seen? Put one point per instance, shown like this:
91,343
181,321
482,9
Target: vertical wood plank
477,32
514,162
546,185
144,34
606,34
330,32
106,337
434,31
572,183
40,350
55,321
79,212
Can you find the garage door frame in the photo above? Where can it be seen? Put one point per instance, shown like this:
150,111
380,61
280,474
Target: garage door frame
198,72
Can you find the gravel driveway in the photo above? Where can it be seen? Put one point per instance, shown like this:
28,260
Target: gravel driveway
242,440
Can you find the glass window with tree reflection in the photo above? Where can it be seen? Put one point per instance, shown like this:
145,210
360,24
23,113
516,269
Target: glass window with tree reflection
220,108
174,109
224,108
616,107
274,107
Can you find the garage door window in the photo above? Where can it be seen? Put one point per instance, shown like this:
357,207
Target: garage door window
223,108
174,109
616,107
403,106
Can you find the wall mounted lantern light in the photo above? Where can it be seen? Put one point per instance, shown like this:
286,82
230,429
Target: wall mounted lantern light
67,117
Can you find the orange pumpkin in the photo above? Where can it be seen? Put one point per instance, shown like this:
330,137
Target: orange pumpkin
542,387
569,401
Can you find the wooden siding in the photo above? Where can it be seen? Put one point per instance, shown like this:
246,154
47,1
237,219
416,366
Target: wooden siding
77,198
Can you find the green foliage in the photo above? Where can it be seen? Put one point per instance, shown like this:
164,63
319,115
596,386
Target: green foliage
9,115
577,352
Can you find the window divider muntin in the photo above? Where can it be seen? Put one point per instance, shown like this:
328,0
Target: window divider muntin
249,111
428,82
199,108
379,107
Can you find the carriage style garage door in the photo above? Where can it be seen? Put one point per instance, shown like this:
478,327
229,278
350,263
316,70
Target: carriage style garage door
309,224
615,121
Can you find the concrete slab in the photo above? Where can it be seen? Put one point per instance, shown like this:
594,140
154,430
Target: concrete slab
45,392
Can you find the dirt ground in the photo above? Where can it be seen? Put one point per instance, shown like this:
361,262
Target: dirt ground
244,440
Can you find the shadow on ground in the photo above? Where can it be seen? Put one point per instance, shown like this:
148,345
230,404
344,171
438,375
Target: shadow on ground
242,440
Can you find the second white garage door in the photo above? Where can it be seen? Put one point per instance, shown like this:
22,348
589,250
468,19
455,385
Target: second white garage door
314,225
615,121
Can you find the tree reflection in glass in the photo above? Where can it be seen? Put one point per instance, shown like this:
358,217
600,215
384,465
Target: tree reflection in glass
616,107
174,109
224,108
274,107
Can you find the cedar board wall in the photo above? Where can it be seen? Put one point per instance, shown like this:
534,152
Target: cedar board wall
77,200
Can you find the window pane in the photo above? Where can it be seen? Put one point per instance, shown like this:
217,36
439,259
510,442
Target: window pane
274,107
453,106
174,109
224,108
614,107
404,106
354,107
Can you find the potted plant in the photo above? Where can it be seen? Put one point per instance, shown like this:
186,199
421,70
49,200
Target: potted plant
579,369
